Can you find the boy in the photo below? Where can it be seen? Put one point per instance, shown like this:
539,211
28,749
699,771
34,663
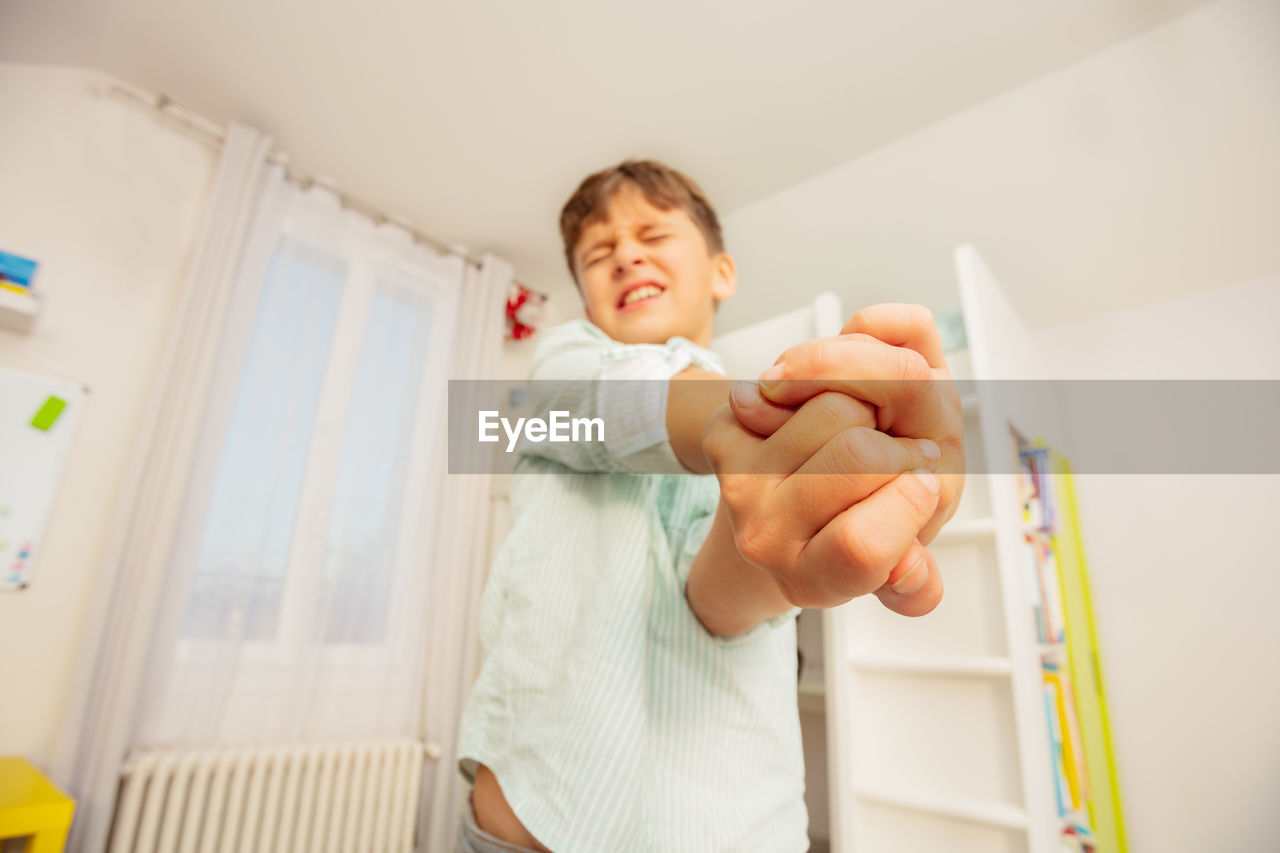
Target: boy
638,691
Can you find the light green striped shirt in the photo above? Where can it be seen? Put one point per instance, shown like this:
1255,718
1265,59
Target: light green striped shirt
611,718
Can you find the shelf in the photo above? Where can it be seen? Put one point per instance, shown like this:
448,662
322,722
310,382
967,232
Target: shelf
987,665
960,808
965,531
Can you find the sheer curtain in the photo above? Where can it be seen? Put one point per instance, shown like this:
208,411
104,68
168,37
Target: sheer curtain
104,703
298,588
461,552
294,564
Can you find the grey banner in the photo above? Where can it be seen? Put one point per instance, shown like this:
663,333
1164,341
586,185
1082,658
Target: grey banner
1100,426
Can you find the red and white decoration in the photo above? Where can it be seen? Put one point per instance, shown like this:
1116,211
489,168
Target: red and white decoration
525,310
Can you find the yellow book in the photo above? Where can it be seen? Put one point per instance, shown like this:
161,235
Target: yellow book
1070,767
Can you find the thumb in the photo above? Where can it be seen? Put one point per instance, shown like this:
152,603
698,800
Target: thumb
757,412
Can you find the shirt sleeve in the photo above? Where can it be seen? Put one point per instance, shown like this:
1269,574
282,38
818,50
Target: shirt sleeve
580,370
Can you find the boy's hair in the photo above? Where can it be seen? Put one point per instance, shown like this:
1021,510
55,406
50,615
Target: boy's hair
663,187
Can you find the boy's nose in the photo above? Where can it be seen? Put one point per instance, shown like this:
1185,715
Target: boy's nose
627,253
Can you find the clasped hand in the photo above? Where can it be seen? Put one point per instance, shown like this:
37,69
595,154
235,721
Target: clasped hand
843,463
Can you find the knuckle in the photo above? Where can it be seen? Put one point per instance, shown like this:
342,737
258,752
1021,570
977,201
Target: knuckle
861,318
920,315
914,374
952,444
866,552
922,501
796,358
858,450
736,492
913,367
754,543
834,408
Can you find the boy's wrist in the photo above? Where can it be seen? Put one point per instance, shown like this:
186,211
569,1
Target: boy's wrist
728,594
693,395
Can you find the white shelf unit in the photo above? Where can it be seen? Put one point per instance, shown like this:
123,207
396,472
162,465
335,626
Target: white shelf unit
958,808
935,727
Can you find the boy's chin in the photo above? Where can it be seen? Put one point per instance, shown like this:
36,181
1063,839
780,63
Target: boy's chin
645,329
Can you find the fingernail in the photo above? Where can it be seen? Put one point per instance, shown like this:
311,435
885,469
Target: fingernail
928,479
745,394
769,379
913,579
930,450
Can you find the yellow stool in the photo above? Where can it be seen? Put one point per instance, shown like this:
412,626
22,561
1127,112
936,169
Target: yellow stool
31,805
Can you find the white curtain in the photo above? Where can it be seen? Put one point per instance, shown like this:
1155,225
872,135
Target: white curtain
461,552
299,577
280,579
106,689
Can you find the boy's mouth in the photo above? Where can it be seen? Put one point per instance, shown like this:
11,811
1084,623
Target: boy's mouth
638,294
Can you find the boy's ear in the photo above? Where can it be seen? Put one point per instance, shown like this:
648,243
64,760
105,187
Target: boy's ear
725,280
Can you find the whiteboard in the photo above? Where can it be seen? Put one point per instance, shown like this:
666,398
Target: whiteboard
38,422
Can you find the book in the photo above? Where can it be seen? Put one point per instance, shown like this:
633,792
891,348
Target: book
1055,751
16,272
1035,590
1072,765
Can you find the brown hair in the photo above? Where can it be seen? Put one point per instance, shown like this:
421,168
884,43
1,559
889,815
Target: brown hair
663,187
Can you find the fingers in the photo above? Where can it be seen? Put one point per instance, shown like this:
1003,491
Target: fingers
952,490
848,468
901,325
805,433
755,412
918,587
855,553
867,369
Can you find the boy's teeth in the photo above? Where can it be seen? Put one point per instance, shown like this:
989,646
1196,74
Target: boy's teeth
641,293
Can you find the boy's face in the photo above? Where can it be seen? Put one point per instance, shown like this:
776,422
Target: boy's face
646,275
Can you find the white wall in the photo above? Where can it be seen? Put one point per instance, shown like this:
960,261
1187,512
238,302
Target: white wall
108,201
1144,174
1185,578
1144,171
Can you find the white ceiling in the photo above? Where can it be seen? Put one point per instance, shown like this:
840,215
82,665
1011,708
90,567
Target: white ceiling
476,119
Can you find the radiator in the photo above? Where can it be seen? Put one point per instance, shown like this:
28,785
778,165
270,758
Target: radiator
331,798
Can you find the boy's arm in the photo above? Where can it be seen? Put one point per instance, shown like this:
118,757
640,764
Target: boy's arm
693,396
577,369
727,594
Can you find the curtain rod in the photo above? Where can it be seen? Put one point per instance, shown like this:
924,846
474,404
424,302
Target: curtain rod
212,133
